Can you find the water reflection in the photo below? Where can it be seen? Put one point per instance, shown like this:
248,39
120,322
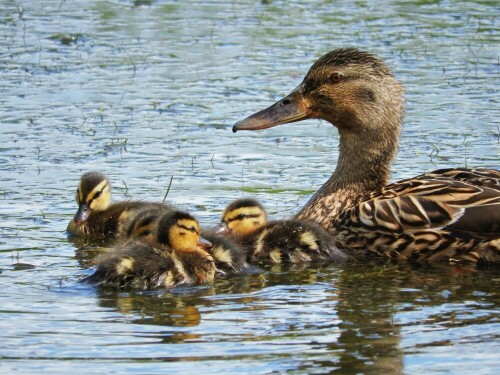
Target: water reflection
351,318
87,249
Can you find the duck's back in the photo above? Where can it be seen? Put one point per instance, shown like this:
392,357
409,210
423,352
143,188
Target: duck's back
134,263
112,222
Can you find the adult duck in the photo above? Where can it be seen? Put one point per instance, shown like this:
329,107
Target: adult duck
451,214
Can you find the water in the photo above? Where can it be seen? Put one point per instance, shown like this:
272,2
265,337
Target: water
147,90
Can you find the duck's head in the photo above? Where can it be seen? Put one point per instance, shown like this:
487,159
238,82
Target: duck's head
352,89
181,232
243,217
92,195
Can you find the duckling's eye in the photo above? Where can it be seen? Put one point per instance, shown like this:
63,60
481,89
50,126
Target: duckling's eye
336,77
192,229
98,194
240,217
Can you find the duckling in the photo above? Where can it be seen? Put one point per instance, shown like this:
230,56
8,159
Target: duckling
227,255
450,214
178,256
283,241
97,217
143,225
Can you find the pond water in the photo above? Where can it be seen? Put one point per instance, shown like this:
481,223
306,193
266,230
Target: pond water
147,90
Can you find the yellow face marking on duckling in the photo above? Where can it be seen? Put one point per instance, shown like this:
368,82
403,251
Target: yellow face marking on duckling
184,235
244,221
99,198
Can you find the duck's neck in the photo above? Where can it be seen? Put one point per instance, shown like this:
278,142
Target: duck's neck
363,167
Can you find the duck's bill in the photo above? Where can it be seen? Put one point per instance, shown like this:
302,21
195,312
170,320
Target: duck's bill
223,229
82,214
204,243
291,108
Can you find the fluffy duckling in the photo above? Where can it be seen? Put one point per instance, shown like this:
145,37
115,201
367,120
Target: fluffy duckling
228,256
177,256
284,241
96,216
143,225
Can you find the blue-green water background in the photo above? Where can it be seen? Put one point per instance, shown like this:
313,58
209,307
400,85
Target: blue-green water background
147,90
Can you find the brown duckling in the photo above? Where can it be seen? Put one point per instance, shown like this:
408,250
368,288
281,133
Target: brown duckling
228,256
178,256
282,241
442,215
97,216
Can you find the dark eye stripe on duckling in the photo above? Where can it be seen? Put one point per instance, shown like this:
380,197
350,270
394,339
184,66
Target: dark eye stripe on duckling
97,194
191,229
243,216
147,225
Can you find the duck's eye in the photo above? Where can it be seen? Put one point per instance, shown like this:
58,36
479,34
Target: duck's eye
98,194
285,101
241,217
336,77
192,229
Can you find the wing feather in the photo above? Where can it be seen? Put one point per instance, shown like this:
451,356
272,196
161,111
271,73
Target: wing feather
426,203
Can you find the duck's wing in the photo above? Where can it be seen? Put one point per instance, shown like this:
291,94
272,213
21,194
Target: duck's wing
431,217
478,177
428,202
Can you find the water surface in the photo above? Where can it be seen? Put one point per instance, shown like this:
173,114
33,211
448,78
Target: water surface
147,90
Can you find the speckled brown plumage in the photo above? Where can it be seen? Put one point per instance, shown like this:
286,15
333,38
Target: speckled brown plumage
448,214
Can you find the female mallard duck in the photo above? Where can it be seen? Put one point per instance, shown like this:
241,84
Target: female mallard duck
446,214
96,215
282,241
178,256
227,255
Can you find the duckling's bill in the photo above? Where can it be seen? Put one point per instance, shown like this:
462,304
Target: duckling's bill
291,108
203,243
82,214
223,229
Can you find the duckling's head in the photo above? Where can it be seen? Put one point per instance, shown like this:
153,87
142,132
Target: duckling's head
243,217
143,225
92,195
181,232
352,89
